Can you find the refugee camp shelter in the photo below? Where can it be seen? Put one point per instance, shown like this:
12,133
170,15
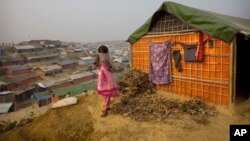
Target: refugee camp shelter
41,57
17,70
28,48
20,81
7,102
40,100
86,61
8,61
81,77
55,83
6,96
68,64
22,95
48,70
221,76
7,107
3,86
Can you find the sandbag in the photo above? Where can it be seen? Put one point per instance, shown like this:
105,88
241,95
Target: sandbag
65,102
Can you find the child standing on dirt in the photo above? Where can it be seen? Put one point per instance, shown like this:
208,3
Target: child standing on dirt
106,86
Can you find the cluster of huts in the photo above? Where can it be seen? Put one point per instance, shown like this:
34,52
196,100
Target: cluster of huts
41,92
24,93
21,70
18,77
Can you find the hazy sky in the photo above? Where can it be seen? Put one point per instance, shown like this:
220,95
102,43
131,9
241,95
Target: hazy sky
91,20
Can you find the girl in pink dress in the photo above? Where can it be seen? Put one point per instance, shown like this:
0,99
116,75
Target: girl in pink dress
106,86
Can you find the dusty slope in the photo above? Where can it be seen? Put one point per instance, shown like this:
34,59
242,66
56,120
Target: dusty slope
83,122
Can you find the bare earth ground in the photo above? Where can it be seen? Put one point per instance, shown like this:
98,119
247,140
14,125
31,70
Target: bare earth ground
24,113
83,122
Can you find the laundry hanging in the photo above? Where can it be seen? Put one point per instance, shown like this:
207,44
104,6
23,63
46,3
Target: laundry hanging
160,64
189,52
199,55
177,59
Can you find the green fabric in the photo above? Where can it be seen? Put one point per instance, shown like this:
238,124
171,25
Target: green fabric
221,26
73,89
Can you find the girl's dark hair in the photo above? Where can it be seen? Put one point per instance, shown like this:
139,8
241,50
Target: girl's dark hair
103,49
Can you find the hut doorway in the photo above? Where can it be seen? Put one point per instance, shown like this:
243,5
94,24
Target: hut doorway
242,68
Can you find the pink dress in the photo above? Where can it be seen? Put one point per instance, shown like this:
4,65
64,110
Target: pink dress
106,86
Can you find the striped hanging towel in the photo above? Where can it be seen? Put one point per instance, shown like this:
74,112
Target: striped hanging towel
160,64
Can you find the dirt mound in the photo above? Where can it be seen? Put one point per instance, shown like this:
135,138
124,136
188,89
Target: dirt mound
67,123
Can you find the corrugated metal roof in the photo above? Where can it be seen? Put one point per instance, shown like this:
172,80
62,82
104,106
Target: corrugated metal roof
2,83
61,80
52,45
4,107
17,68
24,47
20,91
95,72
42,56
11,59
78,49
87,58
58,81
52,68
66,62
119,60
17,79
41,97
81,75
48,83
125,59
5,92
28,47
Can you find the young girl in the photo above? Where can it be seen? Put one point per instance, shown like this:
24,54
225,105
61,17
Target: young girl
106,86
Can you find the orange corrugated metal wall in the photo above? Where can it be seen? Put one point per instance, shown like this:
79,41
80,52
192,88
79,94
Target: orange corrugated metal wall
208,79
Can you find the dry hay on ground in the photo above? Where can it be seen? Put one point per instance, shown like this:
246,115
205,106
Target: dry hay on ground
157,107
139,101
135,83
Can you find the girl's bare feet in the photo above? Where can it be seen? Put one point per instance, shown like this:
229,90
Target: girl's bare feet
104,113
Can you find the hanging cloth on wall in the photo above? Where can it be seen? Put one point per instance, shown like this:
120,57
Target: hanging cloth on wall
189,52
199,55
177,59
160,63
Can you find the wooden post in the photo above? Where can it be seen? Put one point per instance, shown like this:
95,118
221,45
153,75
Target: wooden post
130,56
232,73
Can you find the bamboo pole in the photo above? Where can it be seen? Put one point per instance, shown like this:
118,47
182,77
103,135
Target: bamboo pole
202,80
190,66
232,74
179,37
196,70
221,85
174,67
207,91
175,33
221,68
214,73
130,60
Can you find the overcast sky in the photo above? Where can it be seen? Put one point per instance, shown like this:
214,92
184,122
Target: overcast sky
91,20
